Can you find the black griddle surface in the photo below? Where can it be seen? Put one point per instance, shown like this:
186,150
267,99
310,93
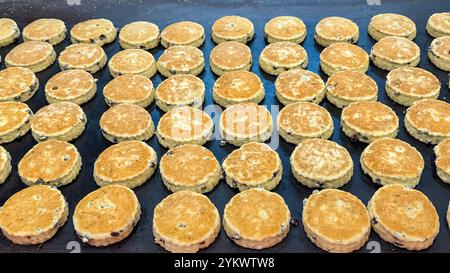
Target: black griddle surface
92,143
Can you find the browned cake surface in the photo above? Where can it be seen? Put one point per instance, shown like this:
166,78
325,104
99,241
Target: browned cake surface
430,115
81,54
232,26
299,84
128,87
370,116
184,122
125,120
231,54
181,58
352,85
57,118
180,88
91,29
69,84
396,49
238,85
413,81
13,115
182,32
345,55
284,53
29,53
305,118
246,119
131,60
15,80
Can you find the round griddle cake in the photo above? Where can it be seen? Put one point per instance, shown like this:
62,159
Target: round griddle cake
392,52
190,167
139,34
439,52
52,31
183,33
405,85
336,221
180,90
107,215
181,60
238,86
230,56
369,120
297,85
232,28
132,61
89,57
129,88
343,56
53,162
345,87
320,163
438,24
9,31
128,163
94,31
335,29
304,120
442,152
256,219
253,165
124,122
17,84
185,222
35,55
63,120
184,125
74,85
14,120
285,28
391,24
428,120
282,56
392,161
245,122
403,217
33,215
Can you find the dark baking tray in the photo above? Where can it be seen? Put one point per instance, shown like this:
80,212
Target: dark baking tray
91,143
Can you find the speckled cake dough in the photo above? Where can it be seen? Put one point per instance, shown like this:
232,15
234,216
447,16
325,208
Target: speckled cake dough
74,85
391,24
285,29
336,221
321,163
180,90
190,167
35,55
404,217
245,122
335,29
124,122
33,215
52,31
232,28
63,120
428,120
256,219
181,60
253,165
442,152
393,52
342,57
236,87
405,85
132,61
94,31
298,85
9,31
128,163
185,33
106,216
15,120
184,125
17,84
230,56
367,121
392,161
438,24
180,232
5,164
53,162
129,88
279,57
139,34
304,120
345,87
88,57
439,52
